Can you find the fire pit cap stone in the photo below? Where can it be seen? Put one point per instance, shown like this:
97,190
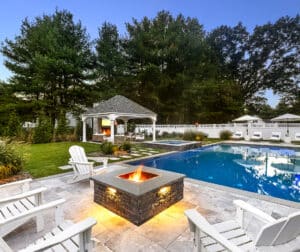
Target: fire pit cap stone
113,180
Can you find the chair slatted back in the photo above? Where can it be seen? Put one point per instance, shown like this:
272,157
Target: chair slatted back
78,157
269,232
290,230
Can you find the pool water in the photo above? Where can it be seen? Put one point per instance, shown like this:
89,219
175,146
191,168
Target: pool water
172,142
265,170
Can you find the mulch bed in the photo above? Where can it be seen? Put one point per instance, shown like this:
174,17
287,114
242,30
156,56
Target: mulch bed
20,176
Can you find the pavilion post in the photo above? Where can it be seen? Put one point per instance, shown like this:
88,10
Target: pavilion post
125,126
153,129
112,119
96,125
83,129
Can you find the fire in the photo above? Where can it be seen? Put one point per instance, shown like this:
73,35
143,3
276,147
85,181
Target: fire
137,175
106,132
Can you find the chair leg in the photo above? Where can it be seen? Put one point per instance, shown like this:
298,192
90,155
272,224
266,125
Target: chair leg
59,215
91,183
40,223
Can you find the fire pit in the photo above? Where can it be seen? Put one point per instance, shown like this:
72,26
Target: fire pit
138,195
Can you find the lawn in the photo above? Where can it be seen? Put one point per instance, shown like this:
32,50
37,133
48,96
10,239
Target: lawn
44,159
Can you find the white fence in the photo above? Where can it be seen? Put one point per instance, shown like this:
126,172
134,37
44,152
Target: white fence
213,130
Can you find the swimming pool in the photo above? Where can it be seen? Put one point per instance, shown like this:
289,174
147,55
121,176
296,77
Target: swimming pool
265,170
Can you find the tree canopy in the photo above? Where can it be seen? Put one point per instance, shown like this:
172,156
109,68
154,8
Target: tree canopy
169,64
51,62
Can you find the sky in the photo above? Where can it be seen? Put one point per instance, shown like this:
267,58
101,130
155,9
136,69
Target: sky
92,13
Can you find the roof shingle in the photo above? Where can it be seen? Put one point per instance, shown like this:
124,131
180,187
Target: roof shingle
119,104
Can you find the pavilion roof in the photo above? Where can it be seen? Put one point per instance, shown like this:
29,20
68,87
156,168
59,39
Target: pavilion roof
119,105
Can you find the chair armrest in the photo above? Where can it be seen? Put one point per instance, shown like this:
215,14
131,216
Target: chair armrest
19,183
197,221
32,212
242,205
63,236
81,163
98,159
23,195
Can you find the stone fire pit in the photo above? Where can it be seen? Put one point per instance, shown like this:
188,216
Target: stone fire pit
138,201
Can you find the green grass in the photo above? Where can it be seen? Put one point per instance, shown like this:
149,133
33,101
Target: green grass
44,159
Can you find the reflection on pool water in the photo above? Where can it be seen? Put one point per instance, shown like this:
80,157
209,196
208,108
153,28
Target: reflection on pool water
173,142
265,170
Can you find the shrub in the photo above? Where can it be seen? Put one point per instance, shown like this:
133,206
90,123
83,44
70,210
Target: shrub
11,162
107,148
189,135
225,134
201,136
194,135
115,148
126,146
62,129
14,127
43,132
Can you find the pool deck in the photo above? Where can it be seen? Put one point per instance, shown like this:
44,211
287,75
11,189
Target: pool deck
168,231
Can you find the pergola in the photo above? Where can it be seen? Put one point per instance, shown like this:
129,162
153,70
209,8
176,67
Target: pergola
117,107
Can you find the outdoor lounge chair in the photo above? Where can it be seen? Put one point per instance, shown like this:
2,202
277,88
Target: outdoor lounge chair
18,209
231,236
237,135
257,135
83,169
297,137
140,137
65,237
275,136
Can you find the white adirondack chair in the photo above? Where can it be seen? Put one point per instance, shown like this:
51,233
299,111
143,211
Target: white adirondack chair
275,136
65,237
257,135
83,169
13,188
18,209
231,236
140,137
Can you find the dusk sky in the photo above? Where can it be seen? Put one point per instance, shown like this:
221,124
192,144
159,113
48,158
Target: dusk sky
92,13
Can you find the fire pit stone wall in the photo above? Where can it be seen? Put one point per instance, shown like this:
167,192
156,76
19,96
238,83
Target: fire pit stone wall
138,202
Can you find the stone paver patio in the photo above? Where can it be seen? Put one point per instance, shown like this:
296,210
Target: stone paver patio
168,231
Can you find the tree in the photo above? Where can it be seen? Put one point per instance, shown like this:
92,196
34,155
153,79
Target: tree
215,101
164,56
258,106
110,60
267,58
51,62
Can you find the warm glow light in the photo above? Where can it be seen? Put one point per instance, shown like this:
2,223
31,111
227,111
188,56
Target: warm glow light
106,132
164,190
137,175
111,190
105,123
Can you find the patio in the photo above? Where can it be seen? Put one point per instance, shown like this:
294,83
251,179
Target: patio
168,231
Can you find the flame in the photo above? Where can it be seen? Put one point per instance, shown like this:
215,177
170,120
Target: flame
136,176
106,132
